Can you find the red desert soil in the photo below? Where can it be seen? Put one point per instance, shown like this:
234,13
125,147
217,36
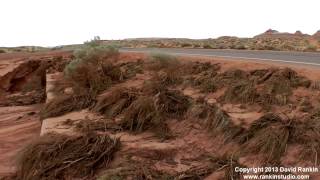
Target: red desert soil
20,124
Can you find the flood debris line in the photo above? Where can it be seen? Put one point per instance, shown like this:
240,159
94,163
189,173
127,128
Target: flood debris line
55,156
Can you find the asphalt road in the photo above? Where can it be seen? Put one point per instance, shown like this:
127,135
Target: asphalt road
303,58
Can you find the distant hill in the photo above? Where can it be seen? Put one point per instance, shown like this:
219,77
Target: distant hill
269,40
316,35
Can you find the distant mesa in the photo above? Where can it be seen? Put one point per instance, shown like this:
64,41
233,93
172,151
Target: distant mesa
271,31
299,33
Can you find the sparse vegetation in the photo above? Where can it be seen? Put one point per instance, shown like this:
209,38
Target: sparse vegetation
306,133
141,115
171,103
55,156
163,61
218,121
64,104
93,68
276,86
268,135
164,110
243,92
115,102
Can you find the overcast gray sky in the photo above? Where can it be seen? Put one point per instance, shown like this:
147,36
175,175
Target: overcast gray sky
57,22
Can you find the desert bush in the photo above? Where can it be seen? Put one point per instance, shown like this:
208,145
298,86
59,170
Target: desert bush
2,51
269,136
141,115
242,92
278,85
207,85
56,156
130,69
198,110
153,87
163,61
172,103
168,77
67,103
263,86
204,81
232,76
211,80
218,121
306,133
93,68
198,67
115,102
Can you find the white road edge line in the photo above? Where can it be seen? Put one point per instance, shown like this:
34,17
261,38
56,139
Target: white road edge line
233,57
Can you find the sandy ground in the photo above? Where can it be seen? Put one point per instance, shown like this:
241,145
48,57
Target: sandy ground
20,124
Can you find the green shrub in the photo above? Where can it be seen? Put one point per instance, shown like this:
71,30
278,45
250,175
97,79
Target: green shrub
93,67
95,54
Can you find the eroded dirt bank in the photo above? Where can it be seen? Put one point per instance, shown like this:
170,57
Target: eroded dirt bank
22,92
